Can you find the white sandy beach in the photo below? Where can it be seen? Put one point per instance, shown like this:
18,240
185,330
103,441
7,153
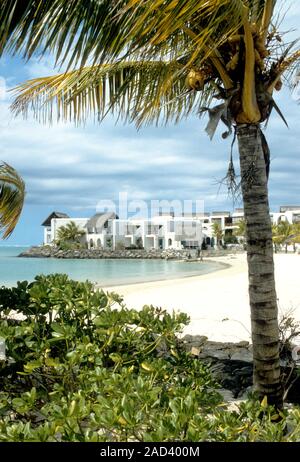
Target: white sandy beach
217,303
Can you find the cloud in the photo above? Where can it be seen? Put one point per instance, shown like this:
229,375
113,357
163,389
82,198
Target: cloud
76,167
67,167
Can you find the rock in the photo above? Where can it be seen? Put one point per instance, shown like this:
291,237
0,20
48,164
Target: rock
212,353
51,251
226,394
194,340
242,355
230,363
201,339
195,351
244,394
244,343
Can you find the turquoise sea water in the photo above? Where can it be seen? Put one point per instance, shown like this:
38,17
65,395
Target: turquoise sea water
104,272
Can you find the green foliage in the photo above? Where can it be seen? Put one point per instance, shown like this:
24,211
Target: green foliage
12,195
63,245
285,233
15,298
82,367
217,232
230,239
240,230
148,61
68,236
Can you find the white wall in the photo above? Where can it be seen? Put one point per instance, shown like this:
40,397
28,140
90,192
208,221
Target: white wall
47,235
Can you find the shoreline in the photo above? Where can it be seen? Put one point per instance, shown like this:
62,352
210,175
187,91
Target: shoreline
217,302
175,277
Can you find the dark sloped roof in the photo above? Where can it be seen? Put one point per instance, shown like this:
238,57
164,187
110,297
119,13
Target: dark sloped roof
47,222
99,219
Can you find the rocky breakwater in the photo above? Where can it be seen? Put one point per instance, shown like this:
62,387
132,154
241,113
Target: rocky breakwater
54,252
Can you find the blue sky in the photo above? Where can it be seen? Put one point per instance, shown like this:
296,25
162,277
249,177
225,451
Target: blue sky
71,169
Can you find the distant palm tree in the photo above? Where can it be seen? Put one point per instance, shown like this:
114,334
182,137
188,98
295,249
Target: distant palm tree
275,237
294,238
296,232
218,233
12,195
70,233
283,234
240,230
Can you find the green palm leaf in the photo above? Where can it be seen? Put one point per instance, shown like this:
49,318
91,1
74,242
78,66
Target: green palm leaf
70,232
102,30
140,52
12,194
142,92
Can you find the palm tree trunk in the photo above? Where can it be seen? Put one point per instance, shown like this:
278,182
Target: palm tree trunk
262,293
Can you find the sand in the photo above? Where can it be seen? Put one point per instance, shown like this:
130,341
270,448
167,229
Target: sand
218,302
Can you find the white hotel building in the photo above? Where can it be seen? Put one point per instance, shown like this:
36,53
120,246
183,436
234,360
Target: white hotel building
107,231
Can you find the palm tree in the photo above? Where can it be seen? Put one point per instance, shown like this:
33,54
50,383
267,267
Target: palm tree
159,61
240,229
218,233
296,234
69,233
284,234
275,237
12,195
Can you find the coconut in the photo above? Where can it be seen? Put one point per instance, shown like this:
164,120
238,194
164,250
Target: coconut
278,85
195,80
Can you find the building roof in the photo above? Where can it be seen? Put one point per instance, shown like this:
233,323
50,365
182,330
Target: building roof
47,222
219,213
99,219
166,214
289,208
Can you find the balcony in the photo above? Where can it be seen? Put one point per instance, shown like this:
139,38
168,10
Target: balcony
155,230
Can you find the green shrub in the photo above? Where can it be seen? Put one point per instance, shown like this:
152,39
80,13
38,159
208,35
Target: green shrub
82,367
67,245
14,298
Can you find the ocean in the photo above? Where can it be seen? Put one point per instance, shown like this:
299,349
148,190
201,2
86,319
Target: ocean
104,272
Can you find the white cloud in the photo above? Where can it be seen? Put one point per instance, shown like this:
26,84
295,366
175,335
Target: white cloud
65,166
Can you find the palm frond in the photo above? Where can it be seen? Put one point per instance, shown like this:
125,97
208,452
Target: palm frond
141,92
73,28
97,31
12,195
